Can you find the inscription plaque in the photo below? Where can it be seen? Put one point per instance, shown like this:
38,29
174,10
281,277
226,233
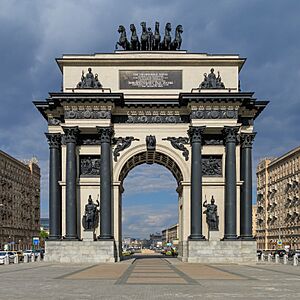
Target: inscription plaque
150,79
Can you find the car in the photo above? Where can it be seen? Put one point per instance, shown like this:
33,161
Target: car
10,254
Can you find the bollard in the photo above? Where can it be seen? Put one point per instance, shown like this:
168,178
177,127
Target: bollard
295,261
16,259
285,259
38,258
264,257
6,260
32,257
269,257
276,258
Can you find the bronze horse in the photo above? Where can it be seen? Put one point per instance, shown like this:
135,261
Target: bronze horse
135,43
123,42
144,37
166,43
176,44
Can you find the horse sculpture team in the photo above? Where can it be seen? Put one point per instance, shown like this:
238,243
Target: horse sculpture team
150,41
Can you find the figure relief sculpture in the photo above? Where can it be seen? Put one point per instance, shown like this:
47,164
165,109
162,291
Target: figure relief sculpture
90,219
166,43
150,142
135,43
178,143
123,42
144,37
122,144
89,81
211,81
212,218
176,44
156,38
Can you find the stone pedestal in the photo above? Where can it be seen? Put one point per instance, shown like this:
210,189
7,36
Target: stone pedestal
214,235
80,251
88,236
211,251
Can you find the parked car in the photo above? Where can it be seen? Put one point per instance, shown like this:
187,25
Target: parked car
10,254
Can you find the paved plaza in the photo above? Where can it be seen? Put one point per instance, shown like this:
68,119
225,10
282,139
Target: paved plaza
149,278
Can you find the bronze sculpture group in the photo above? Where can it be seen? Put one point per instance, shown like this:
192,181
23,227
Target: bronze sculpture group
150,41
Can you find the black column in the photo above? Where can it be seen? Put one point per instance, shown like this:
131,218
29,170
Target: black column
246,189
230,135
106,134
55,214
71,172
195,134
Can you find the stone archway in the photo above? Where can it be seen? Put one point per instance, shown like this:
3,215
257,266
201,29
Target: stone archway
149,157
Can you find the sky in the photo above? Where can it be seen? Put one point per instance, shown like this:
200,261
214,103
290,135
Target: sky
33,33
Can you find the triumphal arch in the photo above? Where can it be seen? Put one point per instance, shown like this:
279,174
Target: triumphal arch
150,103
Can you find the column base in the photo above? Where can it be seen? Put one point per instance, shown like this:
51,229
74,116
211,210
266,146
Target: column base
246,238
70,238
106,238
233,237
54,237
196,237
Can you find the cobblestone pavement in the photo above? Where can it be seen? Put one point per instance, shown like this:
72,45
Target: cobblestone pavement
149,278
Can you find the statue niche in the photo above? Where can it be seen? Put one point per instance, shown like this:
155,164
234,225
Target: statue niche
90,219
212,218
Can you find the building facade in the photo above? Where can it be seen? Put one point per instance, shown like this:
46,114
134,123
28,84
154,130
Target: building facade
278,202
19,202
170,234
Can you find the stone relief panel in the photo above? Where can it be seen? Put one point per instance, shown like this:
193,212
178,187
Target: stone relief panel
212,165
151,118
214,114
87,114
89,165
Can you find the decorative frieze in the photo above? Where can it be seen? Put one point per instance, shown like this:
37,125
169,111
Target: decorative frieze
89,139
214,114
87,114
212,165
89,165
178,143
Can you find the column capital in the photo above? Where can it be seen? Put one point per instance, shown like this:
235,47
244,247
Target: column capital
106,133
195,133
54,140
71,134
230,134
247,139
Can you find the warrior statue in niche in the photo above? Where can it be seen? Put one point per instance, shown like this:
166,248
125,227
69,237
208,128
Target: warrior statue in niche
90,219
212,218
